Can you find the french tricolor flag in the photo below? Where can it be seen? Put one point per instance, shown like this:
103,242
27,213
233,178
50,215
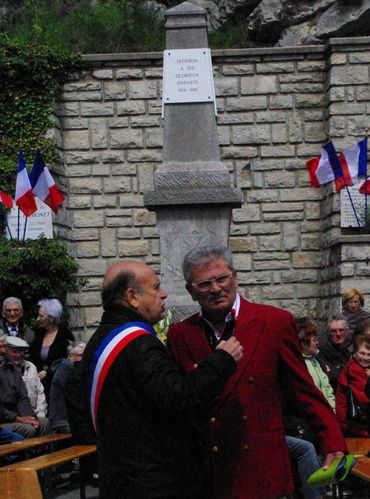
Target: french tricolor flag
326,168
24,198
353,162
43,185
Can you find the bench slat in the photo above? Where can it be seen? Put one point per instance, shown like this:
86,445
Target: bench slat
20,484
358,446
362,468
52,459
28,443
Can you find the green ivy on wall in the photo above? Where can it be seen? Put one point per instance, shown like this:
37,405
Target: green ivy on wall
30,78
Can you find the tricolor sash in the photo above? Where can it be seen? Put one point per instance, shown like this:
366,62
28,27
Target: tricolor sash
105,355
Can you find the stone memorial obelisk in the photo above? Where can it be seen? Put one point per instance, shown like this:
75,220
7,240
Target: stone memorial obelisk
192,196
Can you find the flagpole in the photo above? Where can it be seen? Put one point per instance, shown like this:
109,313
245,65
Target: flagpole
18,228
8,227
24,229
5,219
353,206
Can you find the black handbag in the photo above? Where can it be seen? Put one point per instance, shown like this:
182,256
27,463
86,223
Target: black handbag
354,410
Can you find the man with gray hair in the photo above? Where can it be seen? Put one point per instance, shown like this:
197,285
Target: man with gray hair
250,455
57,407
335,351
12,323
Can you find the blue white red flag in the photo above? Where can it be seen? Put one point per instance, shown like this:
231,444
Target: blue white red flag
326,168
106,354
353,162
43,185
6,199
24,198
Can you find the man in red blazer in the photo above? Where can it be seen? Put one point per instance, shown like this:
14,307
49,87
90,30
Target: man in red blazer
248,444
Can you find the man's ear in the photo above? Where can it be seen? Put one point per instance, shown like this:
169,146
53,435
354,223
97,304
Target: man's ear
190,290
131,298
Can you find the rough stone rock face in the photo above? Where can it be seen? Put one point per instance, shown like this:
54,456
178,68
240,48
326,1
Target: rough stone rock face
270,22
285,22
290,22
218,10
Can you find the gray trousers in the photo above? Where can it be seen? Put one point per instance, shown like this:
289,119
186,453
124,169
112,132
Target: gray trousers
27,430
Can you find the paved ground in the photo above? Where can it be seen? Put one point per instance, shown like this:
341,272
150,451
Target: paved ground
67,486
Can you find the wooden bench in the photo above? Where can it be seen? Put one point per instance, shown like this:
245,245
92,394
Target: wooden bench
20,484
362,468
29,443
9,474
359,446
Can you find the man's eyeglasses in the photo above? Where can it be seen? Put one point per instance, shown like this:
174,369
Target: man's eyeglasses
338,330
205,286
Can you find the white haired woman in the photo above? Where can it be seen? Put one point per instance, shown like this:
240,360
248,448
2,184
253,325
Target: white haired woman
51,341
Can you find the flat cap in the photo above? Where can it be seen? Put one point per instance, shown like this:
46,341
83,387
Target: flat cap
16,342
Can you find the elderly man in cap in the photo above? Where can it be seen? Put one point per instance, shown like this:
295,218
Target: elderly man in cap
15,352
12,323
18,415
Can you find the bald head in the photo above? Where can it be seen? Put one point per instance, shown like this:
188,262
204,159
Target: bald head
118,278
134,285
133,268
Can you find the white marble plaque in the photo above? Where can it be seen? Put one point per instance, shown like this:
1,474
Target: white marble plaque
187,76
39,223
348,208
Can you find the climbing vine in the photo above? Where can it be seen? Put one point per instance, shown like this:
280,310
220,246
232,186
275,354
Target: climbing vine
30,78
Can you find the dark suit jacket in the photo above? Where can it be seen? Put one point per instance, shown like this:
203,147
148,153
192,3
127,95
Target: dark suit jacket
148,438
250,455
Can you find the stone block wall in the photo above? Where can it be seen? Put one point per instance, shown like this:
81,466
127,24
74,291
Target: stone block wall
345,257
276,108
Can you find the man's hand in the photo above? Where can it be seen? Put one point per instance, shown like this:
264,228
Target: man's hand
28,420
330,457
233,347
42,375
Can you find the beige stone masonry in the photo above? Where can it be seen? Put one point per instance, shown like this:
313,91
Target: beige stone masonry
276,108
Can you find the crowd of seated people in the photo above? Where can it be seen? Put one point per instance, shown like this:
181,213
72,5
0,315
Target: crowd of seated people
28,361
34,368
340,369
